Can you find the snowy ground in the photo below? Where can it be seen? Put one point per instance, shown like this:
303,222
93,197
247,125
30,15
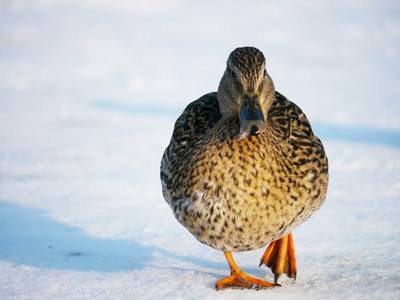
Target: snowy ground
89,92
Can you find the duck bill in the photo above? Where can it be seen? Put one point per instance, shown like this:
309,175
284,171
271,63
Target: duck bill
252,119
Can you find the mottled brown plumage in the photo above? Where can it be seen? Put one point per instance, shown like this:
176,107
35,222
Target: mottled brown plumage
243,167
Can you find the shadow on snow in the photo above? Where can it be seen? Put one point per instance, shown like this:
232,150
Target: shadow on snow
357,134
27,237
323,130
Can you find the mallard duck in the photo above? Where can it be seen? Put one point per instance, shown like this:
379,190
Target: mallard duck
243,169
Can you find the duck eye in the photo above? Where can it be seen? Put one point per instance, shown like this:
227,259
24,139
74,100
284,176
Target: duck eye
232,73
265,72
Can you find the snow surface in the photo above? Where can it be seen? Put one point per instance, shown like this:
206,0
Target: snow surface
89,92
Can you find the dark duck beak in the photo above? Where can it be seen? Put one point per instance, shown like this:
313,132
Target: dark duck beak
252,119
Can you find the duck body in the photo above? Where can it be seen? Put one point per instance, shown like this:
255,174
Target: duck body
243,169
237,194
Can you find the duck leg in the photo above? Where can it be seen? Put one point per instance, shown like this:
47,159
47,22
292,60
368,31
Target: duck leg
280,257
239,279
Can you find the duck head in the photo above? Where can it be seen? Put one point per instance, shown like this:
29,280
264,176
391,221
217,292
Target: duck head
246,91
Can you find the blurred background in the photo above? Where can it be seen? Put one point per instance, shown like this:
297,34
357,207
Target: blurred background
339,60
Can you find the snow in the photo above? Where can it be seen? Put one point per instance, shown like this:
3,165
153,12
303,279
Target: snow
89,92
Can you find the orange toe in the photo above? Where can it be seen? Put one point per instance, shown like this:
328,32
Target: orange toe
280,257
239,279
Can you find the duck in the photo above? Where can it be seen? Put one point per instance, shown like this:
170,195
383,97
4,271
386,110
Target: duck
243,169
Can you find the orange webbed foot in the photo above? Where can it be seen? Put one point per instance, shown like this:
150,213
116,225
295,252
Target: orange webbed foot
280,257
239,279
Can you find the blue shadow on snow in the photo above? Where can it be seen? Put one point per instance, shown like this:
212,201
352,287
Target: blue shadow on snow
27,237
357,134
323,130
